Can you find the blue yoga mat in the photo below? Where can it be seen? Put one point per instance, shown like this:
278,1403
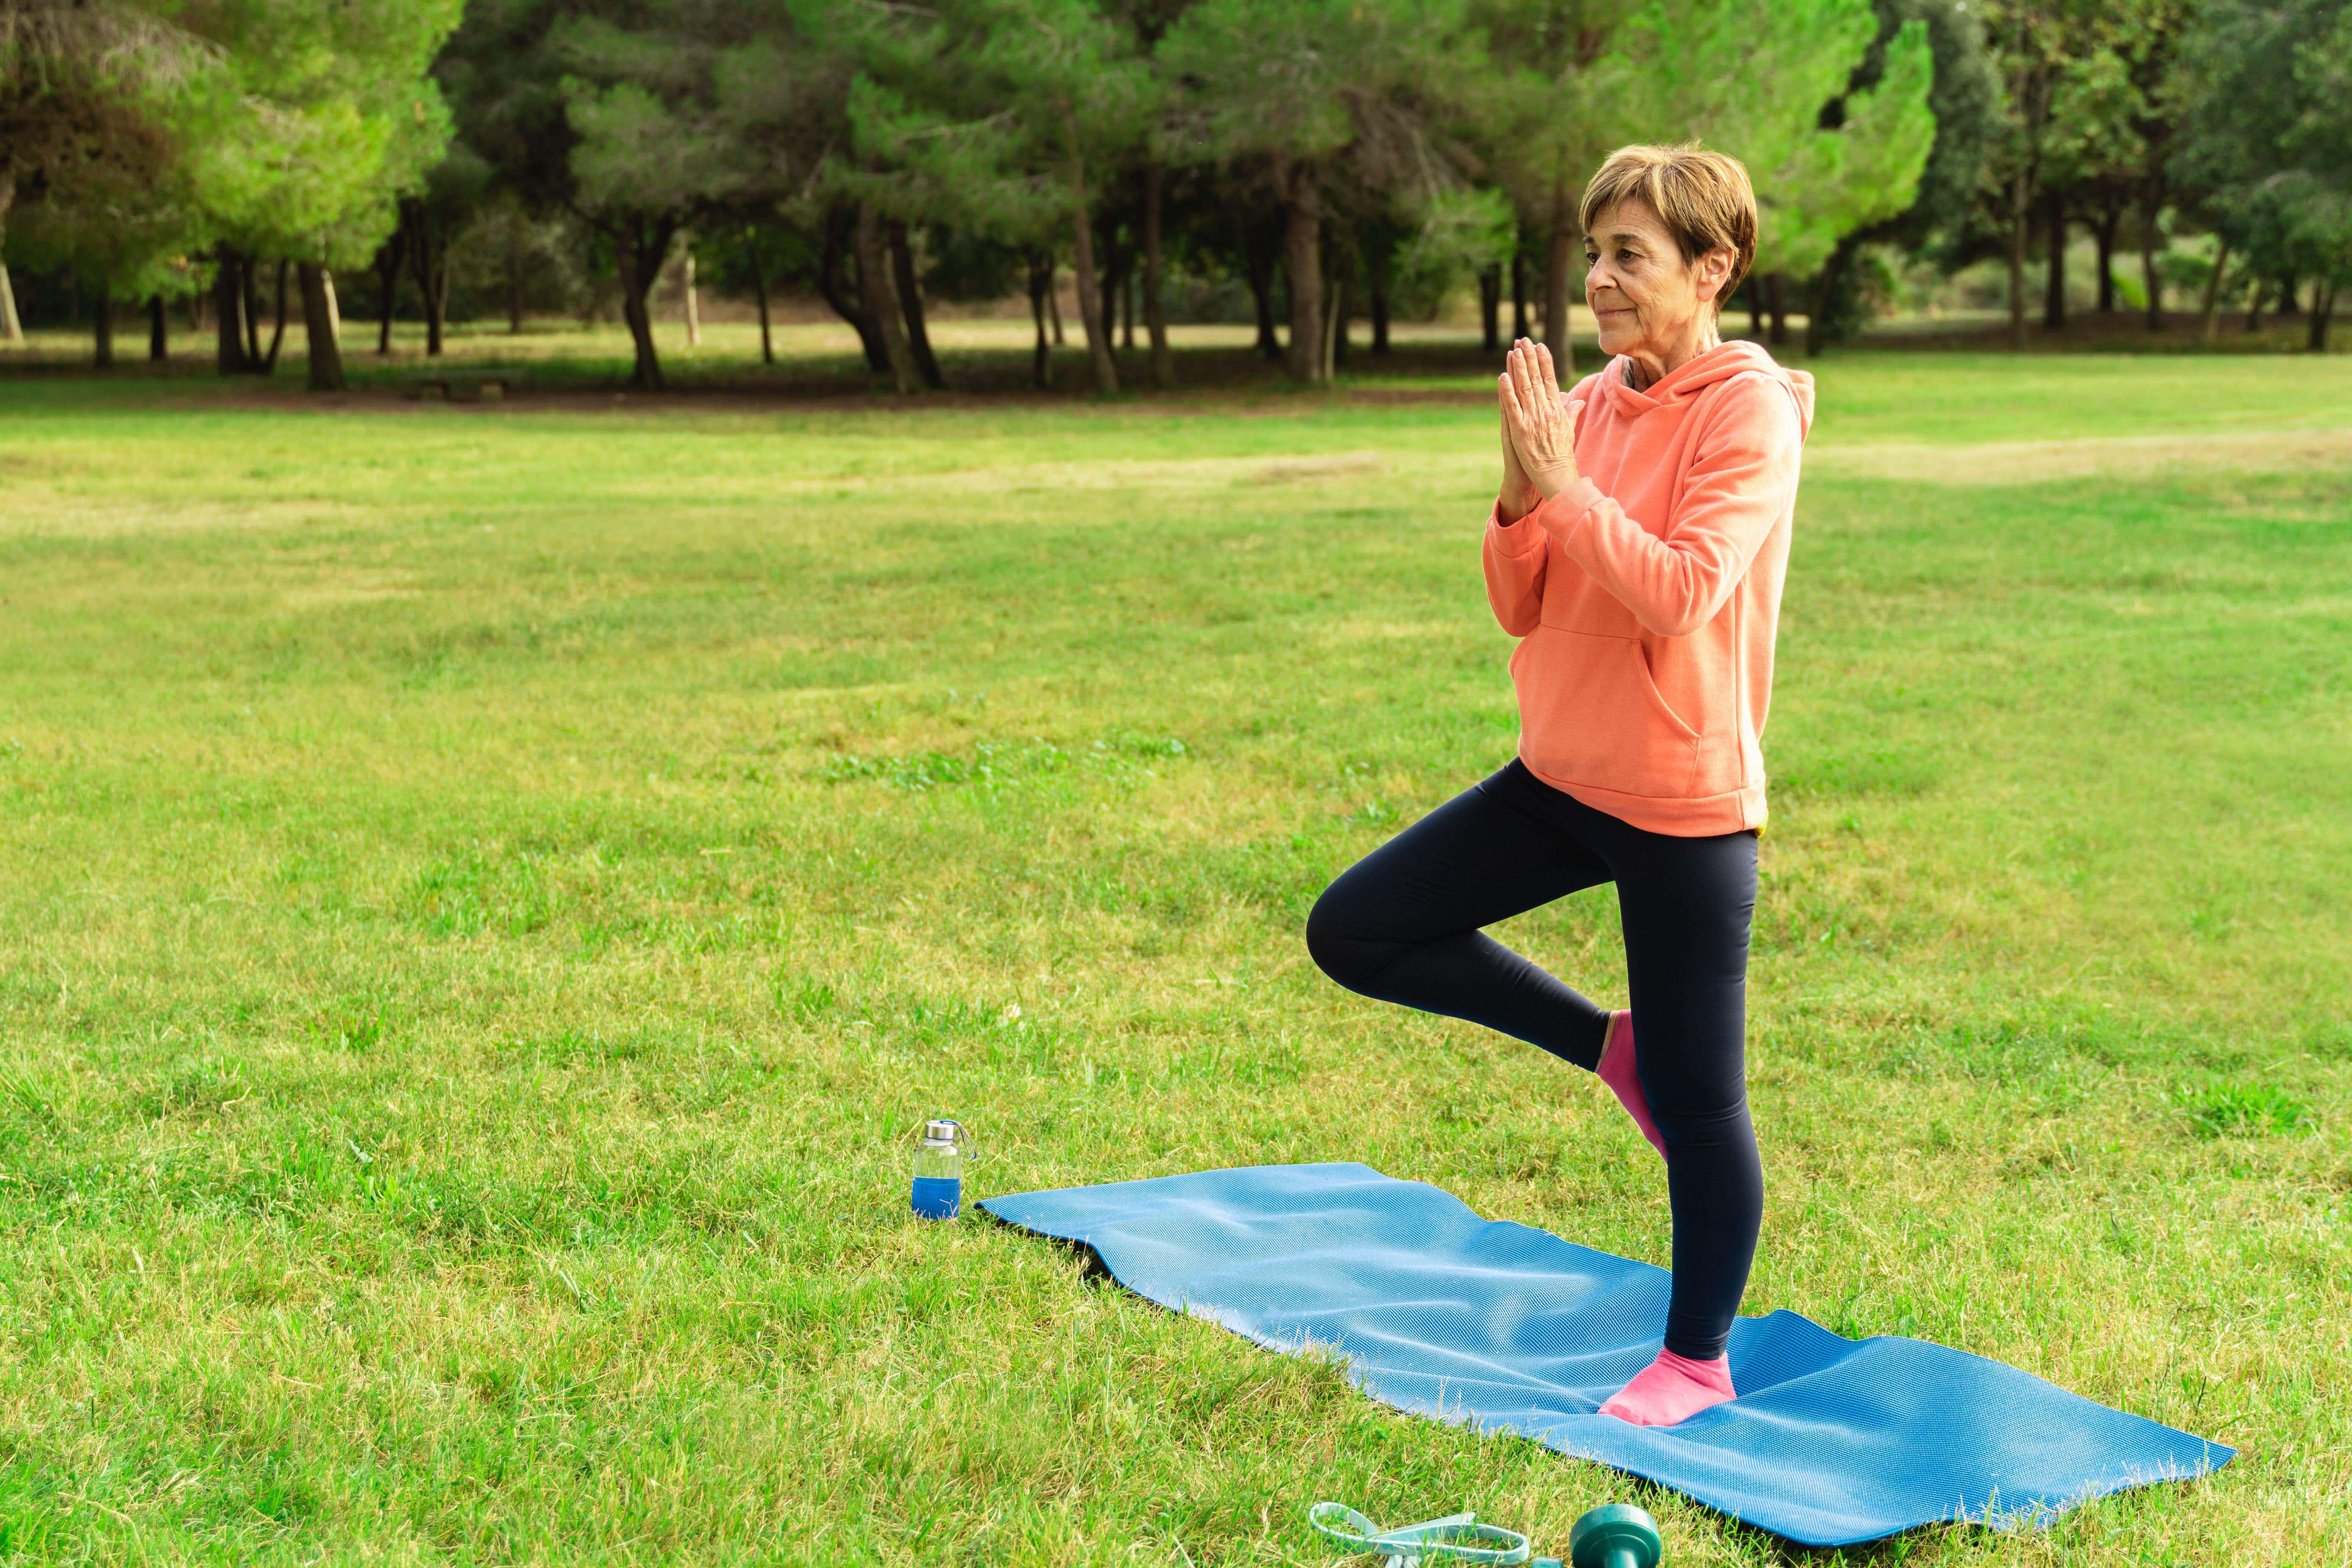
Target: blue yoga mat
1509,1329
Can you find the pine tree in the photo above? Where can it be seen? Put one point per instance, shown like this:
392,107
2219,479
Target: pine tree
1316,102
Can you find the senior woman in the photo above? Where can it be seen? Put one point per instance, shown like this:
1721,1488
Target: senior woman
1637,550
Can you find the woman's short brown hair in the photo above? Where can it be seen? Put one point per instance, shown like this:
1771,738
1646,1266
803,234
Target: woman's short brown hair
1703,198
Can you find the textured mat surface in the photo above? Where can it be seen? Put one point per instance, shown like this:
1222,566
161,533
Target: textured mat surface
1510,1329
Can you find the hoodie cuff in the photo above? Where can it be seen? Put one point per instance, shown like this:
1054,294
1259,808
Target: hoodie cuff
1524,537
1565,513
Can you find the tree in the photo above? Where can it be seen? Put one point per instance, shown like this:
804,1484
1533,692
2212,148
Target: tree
1965,100
1775,88
1319,104
95,103
2068,110
2265,138
1548,114
650,149
325,119
1004,115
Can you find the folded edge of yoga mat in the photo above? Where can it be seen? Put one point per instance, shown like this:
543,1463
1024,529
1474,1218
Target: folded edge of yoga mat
1832,1441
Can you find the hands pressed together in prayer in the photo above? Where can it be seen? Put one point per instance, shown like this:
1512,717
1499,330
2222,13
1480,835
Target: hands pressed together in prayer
1538,431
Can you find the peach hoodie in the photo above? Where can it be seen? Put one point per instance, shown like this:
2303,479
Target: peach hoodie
1647,593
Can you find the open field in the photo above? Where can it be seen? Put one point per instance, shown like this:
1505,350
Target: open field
485,893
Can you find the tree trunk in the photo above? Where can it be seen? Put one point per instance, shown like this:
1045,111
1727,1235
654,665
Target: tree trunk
1518,293
102,321
1490,307
760,288
2254,310
514,283
1302,256
276,325
1776,305
228,312
2212,313
432,263
1114,285
910,304
2020,206
1827,286
2149,276
2107,238
639,258
1564,240
1090,312
318,328
875,292
839,224
2287,308
12,331
1335,326
693,303
1155,310
159,330
335,309
1041,289
1127,308
1260,269
1054,304
388,289
252,317
2323,306
2054,287
1377,276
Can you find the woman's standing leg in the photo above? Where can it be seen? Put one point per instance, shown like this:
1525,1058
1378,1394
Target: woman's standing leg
1687,905
1403,923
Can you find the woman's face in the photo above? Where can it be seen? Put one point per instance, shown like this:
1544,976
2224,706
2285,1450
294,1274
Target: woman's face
1647,298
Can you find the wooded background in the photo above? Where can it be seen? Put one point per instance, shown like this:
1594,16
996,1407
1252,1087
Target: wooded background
1336,159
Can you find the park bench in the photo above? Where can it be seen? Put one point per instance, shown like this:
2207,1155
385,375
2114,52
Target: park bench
465,388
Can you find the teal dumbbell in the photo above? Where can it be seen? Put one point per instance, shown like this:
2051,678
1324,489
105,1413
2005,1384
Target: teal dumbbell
1615,1535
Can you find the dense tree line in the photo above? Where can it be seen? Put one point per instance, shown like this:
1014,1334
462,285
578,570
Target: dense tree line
1332,155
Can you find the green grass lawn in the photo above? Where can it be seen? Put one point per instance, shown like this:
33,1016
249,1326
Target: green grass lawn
486,895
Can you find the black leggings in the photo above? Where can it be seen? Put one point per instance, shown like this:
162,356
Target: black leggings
1402,925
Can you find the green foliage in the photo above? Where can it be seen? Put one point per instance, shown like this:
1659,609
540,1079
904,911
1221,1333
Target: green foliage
992,113
96,103
1754,82
1352,92
323,117
2267,130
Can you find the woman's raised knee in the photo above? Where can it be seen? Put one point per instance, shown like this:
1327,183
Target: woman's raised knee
1350,960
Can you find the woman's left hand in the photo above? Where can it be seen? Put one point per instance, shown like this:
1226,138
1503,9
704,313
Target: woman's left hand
1540,419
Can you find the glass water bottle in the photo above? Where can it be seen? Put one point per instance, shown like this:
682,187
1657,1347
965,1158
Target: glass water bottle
939,1170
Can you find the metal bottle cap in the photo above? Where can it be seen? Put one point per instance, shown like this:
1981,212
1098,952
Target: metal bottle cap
942,1131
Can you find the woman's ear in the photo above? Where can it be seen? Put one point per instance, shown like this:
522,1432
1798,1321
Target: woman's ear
1714,267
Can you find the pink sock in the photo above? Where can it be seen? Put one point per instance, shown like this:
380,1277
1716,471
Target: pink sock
1670,1389
1616,1070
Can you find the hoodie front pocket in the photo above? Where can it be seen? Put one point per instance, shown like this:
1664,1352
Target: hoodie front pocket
1590,715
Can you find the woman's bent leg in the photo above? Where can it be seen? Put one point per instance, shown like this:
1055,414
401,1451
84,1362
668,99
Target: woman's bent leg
1686,905
1403,923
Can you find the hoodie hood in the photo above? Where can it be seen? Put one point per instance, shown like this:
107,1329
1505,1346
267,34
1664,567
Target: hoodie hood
1720,364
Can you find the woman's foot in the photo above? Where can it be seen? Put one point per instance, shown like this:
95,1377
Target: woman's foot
1616,1070
1671,1389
